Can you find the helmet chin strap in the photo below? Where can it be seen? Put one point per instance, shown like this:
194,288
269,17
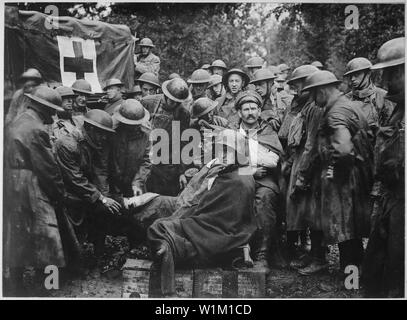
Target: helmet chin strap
362,83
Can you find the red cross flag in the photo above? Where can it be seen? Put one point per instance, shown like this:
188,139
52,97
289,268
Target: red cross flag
67,49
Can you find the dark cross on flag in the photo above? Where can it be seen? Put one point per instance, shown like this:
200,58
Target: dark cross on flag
78,64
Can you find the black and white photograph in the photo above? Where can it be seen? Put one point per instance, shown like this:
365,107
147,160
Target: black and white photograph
203,150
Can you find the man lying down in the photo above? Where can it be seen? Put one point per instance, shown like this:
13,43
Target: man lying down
214,214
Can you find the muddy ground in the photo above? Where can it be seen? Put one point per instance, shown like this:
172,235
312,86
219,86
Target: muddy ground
105,280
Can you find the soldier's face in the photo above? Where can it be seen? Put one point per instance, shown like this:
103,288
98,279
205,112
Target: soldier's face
217,89
261,88
198,89
393,79
136,96
145,51
170,104
99,136
113,92
284,75
81,100
148,89
297,86
235,83
216,70
321,96
249,113
29,85
67,103
356,78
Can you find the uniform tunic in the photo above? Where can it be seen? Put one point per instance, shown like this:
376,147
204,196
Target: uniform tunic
150,63
164,178
33,185
344,144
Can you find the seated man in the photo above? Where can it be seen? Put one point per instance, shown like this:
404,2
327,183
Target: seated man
264,150
84,162
214,215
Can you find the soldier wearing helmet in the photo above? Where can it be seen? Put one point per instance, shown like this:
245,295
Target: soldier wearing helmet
298,133
134,93
254,64
114,93
91,204
384,266
218,67
32,188
65,123
146,61
215,88
199,82
345,157
272,107
83,91
30,79
130,148
376,108
202,114
264,150
149,84
167,111
235,81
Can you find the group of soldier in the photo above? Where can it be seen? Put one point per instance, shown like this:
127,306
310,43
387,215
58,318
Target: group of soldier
310,165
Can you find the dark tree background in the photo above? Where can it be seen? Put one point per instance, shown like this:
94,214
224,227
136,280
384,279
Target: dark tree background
188,35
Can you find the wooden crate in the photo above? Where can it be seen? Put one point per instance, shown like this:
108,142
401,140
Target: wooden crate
141,280
218,283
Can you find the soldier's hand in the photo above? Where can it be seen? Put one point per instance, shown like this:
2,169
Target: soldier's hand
182,181
260,172
112,205
137,191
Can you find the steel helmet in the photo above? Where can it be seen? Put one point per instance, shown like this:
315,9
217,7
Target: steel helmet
215,79
31,74
150,78
202,106
244,76
320,78
357,64
47,97
317,64
65,91
206,66
218,64
391,53
248,96
254,62
176,89
100,119
173,76
136,89
283,67
113,82
263,75
200,76
82,86
132,112
302,72
146,42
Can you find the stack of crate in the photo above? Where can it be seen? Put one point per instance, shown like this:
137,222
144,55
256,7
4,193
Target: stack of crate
140,280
